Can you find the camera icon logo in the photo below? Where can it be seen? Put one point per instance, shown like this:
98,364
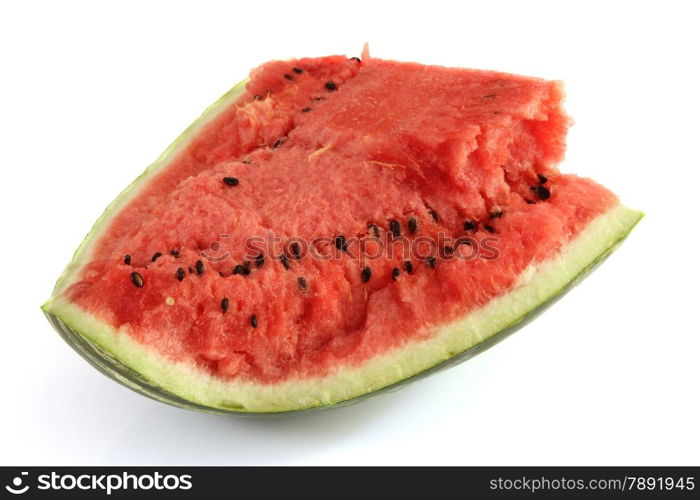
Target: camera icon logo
16,488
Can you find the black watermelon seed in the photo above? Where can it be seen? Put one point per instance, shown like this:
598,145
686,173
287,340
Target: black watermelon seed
542,192
490,228
298,71
175,253
448,250
330,85
277,143
284,260
199,267
395,273
242,270
529,202
412,225
190,269
319,98
366,274
496,214
287,76
341,243
465,242
302,283
296,250
137,279
356,59
127,259
254,321
230,181
224,304
306,110
433,214
257,97
156,256
469,225
180,274
408,266
246,161
395,228
260,260
375,230
432,262
542,178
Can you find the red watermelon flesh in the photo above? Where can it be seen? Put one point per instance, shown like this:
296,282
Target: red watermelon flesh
326,148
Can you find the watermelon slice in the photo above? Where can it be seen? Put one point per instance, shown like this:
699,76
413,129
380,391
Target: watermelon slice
332,228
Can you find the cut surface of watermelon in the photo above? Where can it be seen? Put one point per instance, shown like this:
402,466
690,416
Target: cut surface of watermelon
331,228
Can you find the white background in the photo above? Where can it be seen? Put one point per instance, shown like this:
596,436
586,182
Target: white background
90,94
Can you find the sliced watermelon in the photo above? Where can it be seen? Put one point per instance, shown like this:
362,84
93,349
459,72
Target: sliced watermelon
333,228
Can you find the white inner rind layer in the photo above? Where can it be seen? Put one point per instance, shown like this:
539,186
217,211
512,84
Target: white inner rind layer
537,285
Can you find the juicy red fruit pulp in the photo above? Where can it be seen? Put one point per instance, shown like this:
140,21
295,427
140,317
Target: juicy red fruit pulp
328,147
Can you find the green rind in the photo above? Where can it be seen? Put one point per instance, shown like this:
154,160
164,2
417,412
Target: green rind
152,375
